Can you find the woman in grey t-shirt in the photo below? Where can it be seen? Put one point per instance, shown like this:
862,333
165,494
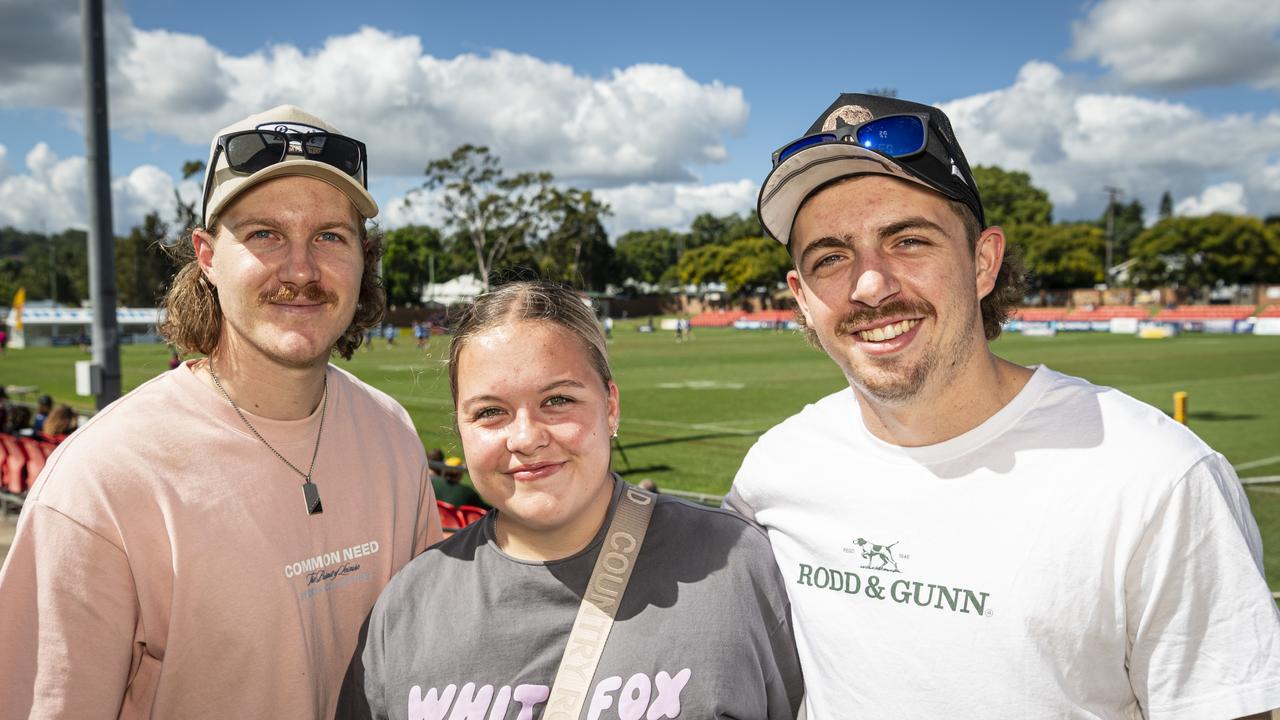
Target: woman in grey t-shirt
476,626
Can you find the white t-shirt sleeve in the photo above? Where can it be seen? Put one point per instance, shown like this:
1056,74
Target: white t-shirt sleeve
737,497
1204,631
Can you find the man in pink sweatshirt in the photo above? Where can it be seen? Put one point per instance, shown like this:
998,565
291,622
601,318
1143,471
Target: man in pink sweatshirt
209,545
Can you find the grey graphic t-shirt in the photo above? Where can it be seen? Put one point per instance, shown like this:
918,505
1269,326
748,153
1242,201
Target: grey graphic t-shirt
703,631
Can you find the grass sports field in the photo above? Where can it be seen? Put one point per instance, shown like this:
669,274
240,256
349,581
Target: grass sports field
691,410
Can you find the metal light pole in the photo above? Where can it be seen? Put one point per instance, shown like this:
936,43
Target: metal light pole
105,371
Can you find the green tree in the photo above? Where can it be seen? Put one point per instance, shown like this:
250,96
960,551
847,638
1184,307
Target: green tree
143,270
48,266
1196,253
1061,256
492,210
412,252
647,255
707,229
1009,198
576,248
705,264
742,265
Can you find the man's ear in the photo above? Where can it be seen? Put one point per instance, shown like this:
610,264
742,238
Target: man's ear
202,243
988,257
797,291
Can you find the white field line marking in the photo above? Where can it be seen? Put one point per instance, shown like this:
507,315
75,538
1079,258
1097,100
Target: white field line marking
1258,463
1268,490
1251,482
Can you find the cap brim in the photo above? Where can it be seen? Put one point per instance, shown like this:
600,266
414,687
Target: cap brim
359,196
787,186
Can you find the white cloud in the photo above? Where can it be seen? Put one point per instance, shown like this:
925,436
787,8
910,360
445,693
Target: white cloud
417,208
1181,44
1227,197
643,123
639,206
1074,143
674,205
52,194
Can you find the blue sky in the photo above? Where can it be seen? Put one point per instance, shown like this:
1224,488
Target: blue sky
668,109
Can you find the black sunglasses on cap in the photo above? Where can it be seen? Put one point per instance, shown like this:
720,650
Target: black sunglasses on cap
249,151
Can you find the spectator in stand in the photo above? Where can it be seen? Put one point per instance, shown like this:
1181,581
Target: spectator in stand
435,463
702,628
449,488
19,420
43,407
61,422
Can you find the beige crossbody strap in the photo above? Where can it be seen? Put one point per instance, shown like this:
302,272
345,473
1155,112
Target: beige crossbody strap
599,605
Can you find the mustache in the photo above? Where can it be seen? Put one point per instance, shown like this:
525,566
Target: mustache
866,315
312,292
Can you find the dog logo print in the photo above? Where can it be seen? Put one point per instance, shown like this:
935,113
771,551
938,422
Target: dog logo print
882,554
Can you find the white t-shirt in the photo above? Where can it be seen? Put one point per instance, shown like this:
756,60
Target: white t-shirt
1077,555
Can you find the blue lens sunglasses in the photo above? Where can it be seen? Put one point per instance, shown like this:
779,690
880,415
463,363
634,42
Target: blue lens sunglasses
895,136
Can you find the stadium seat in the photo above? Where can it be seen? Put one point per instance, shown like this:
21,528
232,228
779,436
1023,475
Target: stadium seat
1205,312
13,473
1108,312
715,318
450,520
469,513
1040,314
35,458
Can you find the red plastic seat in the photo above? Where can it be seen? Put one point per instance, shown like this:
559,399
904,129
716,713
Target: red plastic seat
449,517
35,458
13,473
470,513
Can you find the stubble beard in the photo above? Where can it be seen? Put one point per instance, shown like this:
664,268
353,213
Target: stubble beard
898,381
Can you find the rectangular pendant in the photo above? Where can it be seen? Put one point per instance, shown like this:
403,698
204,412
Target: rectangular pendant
311,494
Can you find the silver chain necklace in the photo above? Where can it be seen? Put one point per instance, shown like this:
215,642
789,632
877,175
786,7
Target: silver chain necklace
310,493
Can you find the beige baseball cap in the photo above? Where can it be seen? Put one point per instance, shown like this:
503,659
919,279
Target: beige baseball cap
222,184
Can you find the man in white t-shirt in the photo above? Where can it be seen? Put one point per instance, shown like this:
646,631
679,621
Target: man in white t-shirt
962,536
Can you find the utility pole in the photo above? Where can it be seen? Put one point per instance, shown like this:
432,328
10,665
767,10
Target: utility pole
53,263
1113,196
105,371
431,277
